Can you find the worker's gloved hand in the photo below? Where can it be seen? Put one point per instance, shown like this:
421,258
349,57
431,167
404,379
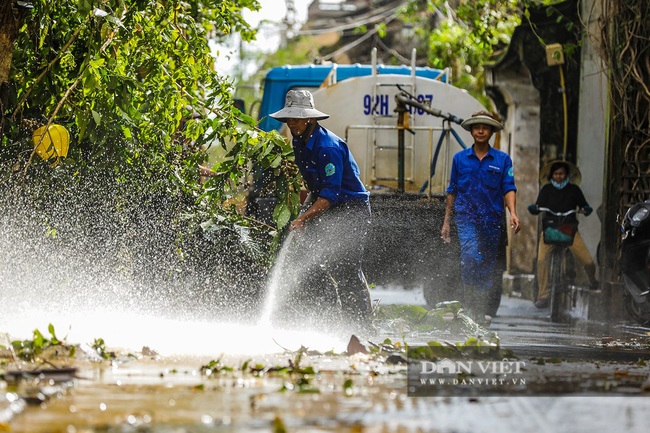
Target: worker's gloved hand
587,210
533,209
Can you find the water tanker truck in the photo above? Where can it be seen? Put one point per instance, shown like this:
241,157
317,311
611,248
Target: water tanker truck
401,124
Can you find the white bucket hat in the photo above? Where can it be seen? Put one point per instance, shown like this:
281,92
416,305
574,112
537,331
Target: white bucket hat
299,104
481,119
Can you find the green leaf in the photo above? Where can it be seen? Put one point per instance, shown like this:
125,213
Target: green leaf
84,6
50,329
97,117
246,118
276,162
114,20
281,215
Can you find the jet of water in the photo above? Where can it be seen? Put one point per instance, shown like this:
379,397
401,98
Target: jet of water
274,282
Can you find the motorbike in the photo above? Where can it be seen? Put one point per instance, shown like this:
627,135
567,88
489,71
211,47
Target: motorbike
560,234
635,261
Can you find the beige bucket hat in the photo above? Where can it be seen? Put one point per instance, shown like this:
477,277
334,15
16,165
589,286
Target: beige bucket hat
299,104
575,176
481,119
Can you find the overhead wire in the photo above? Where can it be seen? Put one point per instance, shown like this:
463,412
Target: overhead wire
357,23
358,41
393,52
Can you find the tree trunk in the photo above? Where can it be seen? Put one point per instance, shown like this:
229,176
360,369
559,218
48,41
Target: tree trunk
11,18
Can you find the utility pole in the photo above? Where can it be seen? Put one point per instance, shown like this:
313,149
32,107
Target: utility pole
289,22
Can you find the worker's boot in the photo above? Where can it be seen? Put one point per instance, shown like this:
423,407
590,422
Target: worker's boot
481,309
464,296
470,300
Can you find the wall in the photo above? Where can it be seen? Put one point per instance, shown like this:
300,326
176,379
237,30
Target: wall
520,138
592,124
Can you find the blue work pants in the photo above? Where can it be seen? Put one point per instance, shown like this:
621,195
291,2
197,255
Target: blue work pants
324,280
479,247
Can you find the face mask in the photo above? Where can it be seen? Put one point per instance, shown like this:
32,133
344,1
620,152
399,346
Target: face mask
561,184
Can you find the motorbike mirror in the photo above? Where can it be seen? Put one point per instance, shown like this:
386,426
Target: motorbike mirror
639,215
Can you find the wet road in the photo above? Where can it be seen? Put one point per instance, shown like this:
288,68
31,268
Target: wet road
529,332
165,395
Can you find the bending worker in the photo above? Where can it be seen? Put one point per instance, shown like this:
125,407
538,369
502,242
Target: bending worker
481,180
333,227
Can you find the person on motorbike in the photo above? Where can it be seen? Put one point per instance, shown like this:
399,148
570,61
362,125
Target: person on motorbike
561,195
330,232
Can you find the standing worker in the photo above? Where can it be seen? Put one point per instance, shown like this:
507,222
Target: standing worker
561,194
331,232
481,180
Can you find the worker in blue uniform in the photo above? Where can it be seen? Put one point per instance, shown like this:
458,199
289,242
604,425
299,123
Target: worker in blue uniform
481,185
330,233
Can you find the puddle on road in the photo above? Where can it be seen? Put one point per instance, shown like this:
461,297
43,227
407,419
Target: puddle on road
169,393
165,395
355,393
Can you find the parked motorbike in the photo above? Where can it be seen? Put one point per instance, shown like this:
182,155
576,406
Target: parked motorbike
635,261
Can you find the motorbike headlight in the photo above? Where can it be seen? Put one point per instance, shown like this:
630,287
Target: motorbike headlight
640,215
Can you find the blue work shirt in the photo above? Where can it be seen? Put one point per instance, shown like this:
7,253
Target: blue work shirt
479,185
328,168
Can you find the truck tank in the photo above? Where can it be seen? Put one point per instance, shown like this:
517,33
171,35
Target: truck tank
402,126
364,112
